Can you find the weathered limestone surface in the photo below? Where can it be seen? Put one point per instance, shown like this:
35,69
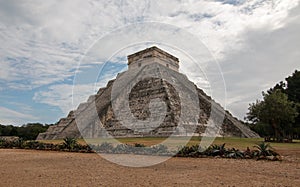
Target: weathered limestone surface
103,122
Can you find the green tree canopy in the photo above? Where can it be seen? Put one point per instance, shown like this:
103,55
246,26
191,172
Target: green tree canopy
28,131
276,111
293,87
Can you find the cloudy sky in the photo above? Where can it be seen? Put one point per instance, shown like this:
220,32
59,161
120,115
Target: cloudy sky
46,44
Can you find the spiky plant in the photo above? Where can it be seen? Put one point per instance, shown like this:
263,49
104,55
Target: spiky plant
216,150
105,147
70,143
186,151
139,145
264,150
122,148
18,143
234,153
2,142
160,148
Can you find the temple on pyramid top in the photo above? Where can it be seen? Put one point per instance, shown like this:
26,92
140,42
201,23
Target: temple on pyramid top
152,55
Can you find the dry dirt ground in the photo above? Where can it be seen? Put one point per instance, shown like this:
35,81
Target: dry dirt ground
49,168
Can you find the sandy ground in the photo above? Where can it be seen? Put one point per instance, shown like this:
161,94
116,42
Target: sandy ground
48,168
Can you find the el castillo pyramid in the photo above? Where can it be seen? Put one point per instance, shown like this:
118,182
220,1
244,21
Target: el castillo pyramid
105,113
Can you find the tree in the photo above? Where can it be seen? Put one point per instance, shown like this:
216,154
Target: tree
293,92
276,111
31,130
279,86
293,87
28,132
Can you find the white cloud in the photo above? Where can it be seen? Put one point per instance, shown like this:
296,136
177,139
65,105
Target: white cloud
67,96
268,57
221,26
42,41
4,70
62,96
8,116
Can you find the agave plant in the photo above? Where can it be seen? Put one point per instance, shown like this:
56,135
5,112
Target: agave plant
186,151
70,143
2,142
105,147
234,153
84,149
18,143
264,150
160,148
216,150
122,148
248,153
139,145
32,144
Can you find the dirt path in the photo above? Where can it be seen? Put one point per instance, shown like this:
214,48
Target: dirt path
43,168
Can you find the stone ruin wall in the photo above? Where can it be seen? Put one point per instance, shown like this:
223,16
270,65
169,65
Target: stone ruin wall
150,56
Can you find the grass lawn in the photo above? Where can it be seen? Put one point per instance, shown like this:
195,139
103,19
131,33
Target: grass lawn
239,143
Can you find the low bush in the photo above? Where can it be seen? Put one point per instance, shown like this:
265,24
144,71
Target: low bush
105,147
234,153
69,143
261,151
265,151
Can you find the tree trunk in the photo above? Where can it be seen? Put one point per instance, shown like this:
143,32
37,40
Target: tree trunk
278,137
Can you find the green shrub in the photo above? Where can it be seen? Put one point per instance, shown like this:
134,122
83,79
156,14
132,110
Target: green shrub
105,147
234,153
188,151
264,151
31,144
216,150
2,142
139,145
160,148
69,143
122,148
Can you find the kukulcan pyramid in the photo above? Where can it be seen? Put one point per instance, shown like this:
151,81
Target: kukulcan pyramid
150,99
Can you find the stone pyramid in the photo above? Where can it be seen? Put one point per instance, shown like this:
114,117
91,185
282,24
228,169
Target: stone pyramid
152,75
